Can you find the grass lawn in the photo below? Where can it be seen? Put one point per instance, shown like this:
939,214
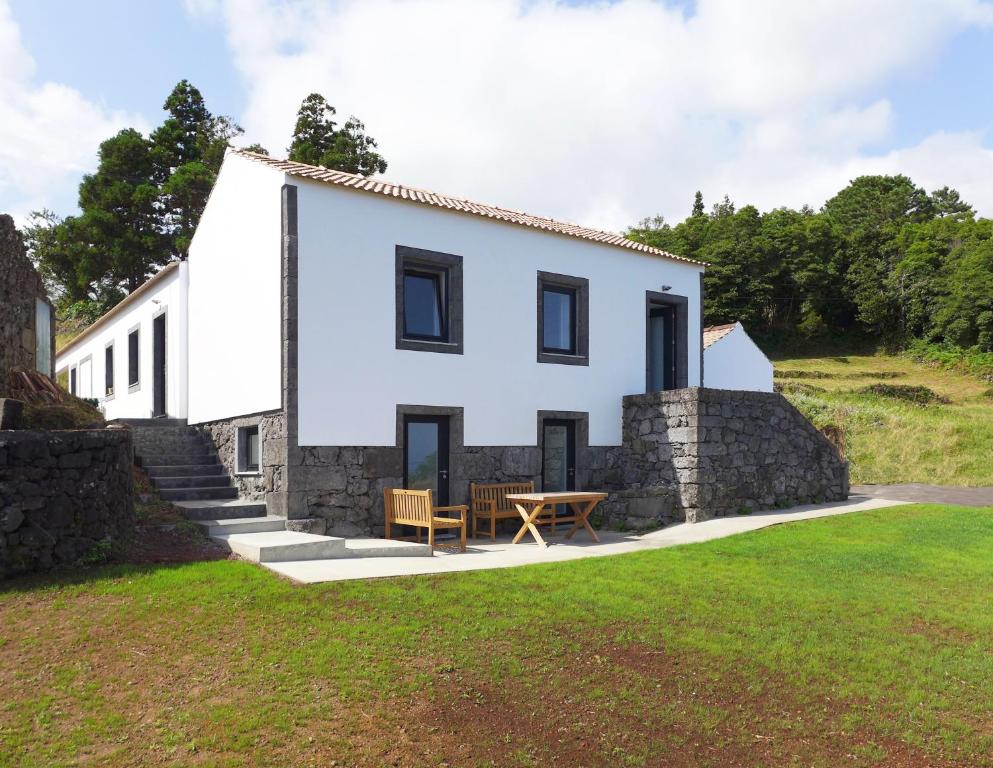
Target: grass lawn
893,441
864,639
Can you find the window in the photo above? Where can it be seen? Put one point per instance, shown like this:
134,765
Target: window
248,449
428,301
133,360
108,370
563,319
43,336
559,318
72,380
424,305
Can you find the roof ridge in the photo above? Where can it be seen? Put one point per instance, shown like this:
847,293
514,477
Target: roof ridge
427,197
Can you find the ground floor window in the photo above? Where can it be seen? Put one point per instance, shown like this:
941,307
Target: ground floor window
248,449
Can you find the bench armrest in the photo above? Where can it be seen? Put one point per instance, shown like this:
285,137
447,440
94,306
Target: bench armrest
462,509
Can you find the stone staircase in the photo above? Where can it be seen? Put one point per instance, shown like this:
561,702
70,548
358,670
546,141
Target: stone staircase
183,465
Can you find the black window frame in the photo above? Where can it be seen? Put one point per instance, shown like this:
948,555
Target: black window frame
579,289
446,268
134,359
244,466
108,370
573,296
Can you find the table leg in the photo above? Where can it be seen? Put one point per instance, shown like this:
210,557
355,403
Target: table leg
581,521
529,518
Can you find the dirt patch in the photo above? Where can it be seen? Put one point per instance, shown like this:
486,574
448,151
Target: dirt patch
155,544
632,705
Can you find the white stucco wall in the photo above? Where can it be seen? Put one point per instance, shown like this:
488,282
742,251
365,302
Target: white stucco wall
351,376
168,296
234,303
736,362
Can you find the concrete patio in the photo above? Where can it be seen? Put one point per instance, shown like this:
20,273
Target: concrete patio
483,553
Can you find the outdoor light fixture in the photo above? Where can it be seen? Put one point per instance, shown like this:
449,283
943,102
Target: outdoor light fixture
666,288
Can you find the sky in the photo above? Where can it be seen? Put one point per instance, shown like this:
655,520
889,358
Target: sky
601,113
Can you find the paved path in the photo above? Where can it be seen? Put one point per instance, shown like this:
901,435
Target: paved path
929,494
503,554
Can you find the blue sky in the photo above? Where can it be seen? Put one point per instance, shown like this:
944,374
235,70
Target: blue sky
777,105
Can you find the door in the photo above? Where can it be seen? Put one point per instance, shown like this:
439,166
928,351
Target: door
661,361
425,455
159,366
558,455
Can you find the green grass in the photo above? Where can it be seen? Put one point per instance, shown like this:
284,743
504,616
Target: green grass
867,635
890,440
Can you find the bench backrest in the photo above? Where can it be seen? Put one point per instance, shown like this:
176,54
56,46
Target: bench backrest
408,507
498,492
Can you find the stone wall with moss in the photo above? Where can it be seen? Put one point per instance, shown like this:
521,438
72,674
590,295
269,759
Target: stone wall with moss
20,287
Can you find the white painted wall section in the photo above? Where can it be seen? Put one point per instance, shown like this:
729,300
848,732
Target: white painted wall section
351,376
235,262
88,358
736,362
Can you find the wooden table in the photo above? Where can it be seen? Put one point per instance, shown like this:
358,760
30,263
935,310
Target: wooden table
531,506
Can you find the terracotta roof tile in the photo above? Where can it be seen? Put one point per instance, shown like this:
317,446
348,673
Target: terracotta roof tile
379,186
714,333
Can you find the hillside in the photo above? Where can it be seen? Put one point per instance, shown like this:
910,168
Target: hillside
945,437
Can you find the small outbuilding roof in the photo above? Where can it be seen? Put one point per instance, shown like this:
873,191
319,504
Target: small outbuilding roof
389,189
714,333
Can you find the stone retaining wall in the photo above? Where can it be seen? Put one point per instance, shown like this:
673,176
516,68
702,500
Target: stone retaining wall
271,477
695,454
62,494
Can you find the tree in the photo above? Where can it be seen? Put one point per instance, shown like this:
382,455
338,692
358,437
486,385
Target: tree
317,140
188,149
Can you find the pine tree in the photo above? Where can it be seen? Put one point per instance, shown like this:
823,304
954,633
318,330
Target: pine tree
317,140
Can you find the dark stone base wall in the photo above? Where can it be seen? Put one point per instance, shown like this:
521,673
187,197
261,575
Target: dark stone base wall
62,495
272,471
344,487
687,455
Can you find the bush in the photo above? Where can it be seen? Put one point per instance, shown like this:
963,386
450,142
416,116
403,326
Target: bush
794,374
917,395
971,361
796,387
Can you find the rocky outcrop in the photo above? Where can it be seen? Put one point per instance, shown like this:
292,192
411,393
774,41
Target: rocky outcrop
20,288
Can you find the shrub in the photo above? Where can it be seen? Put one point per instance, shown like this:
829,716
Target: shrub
796,387
918,395
971,361
790,373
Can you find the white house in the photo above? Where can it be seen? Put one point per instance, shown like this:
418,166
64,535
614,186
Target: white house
731,360
348,333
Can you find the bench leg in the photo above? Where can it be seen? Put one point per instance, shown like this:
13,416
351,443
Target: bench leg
475,520
493,528
387,527
431,537
462,531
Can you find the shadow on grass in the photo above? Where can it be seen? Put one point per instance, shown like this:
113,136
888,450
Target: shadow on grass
72,576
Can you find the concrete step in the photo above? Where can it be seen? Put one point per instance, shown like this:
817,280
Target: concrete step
199,494
161,459
221,509
191,481
183,470
283,546
242,525
189,446
386,548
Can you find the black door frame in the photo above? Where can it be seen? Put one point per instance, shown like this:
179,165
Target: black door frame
680,313
443,492
159,365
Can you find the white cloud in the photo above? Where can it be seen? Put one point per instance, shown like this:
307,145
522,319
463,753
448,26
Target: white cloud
607,112
49,133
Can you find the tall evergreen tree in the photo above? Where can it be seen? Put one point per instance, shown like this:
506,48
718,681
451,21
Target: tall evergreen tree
317,140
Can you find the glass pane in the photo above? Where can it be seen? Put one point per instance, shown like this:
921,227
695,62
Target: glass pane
557,319
422,456
43,336
657,350
422,305
253,449
133,358
556,459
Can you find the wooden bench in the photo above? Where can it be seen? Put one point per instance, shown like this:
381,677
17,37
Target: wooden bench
416,508
489,501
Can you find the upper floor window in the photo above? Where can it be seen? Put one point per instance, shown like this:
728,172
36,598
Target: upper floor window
428,300
563,319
